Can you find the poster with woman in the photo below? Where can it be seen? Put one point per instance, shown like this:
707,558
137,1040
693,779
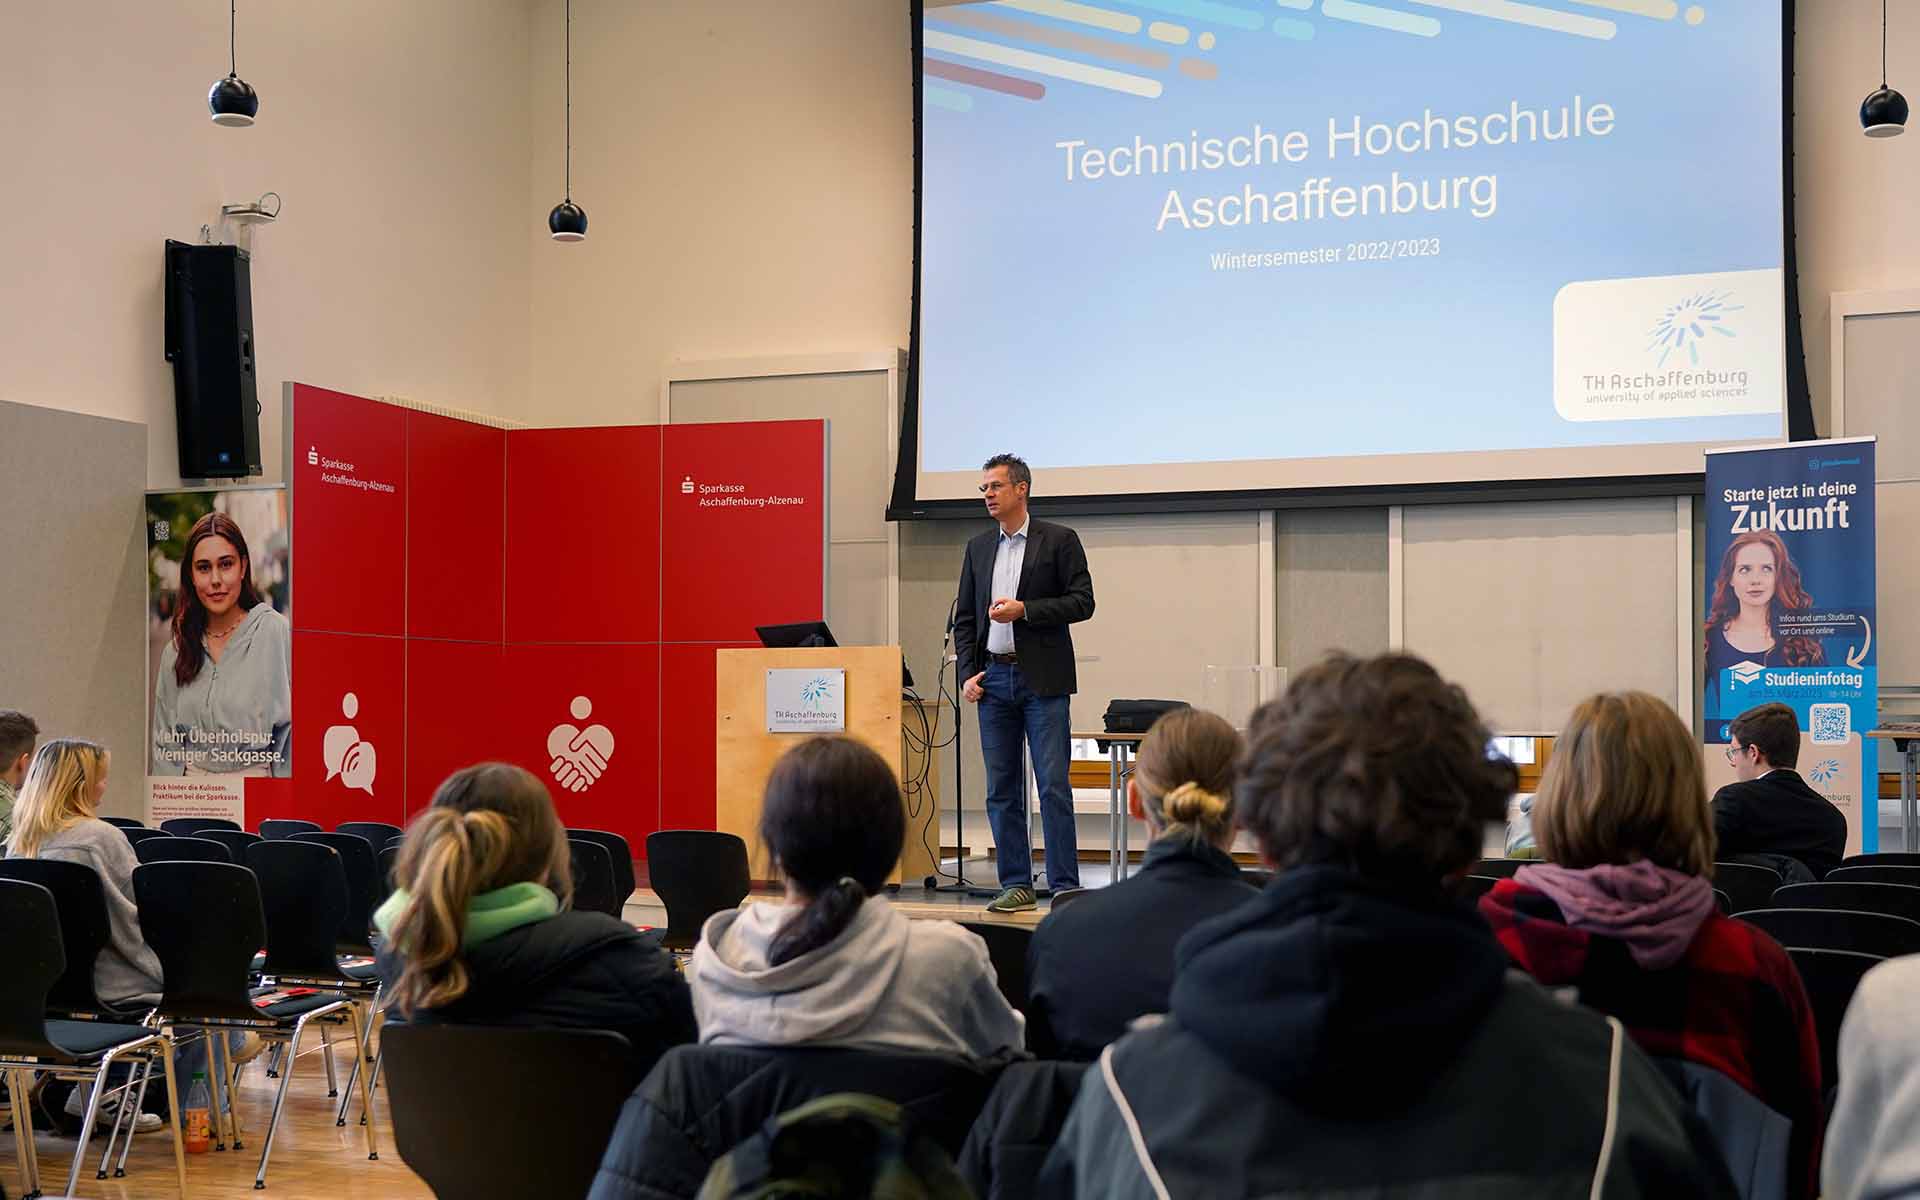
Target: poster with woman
1789,615
219,661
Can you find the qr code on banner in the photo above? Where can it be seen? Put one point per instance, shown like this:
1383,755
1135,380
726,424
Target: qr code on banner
1832,723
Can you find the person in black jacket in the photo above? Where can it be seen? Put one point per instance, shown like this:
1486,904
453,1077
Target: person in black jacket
1353,1029
1093,967
1770,817
477,930
1022,584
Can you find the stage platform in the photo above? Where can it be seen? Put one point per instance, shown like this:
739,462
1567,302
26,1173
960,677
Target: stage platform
919,904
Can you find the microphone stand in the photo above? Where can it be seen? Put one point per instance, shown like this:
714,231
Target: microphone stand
961,885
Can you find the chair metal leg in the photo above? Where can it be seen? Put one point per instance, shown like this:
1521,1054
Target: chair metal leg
86,1124
121,1114
173,1116
19,1084
217,1085
280,1099
232,1077
125,1123
326,1052
366,1089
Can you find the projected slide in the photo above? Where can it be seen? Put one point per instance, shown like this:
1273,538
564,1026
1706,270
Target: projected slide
1171,245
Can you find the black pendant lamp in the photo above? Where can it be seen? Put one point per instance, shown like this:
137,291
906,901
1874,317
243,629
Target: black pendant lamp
1884,113
232,100
568,221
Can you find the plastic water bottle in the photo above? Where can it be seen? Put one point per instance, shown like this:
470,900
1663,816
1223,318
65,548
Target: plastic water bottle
198,1109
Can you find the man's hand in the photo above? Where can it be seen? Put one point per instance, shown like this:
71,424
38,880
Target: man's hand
1006,611
972,690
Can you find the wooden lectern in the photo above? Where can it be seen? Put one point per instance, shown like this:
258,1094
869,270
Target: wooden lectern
876,713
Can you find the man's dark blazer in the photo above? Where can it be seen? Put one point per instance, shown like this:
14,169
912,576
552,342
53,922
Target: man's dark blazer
1057,590
1779,814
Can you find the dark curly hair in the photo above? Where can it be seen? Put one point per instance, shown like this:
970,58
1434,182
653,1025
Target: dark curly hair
1375,764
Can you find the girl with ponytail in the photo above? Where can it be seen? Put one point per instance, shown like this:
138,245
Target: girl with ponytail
1096,966
478,929
835,964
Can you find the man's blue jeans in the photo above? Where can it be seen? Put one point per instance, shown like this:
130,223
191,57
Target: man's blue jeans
1009,711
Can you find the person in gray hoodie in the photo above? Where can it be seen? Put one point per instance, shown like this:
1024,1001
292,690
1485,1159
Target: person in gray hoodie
835,964
1873,1140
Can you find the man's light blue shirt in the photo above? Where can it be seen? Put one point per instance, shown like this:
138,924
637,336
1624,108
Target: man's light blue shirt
1008,557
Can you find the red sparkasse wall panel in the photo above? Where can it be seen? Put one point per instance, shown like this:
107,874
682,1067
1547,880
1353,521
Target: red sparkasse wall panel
269,799
687,736
456,498
744,528
589,717
583,534
348,472
456,714
349,729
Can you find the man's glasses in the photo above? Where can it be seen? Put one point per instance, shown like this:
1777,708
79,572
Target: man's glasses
994,488
1734,751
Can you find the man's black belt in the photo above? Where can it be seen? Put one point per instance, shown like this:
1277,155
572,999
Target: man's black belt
1005,660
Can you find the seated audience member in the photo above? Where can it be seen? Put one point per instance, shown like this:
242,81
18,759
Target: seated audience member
17,735
55,818
835,964
1352,1030
1771,818
1873,1142
1623,911
1097,965
475,932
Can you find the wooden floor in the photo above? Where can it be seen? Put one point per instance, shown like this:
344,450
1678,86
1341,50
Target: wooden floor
311,1156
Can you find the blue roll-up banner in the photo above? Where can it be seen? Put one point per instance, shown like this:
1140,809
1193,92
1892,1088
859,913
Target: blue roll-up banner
1790,611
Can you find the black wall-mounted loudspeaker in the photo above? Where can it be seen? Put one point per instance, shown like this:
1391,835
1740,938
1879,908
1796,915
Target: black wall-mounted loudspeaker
209,341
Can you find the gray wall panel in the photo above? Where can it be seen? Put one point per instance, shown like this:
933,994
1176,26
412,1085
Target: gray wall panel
73,641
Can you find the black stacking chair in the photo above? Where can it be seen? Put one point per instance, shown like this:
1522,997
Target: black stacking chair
82,908
173,848
1885,858
356,856
1724,901
463,1098
301,946
1062,899
125,822
1831,977
235,840
205,921
1837,929
274,830
1470,888
32,946
1502,868
1893,899
619,851
1906,876
383,865
593,887
195,826
1007,945
1746,885
696,873
136,836
377,833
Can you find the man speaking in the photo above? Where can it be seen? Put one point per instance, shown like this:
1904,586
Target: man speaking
1021,585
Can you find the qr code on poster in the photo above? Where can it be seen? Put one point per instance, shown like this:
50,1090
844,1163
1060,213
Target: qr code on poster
1832,723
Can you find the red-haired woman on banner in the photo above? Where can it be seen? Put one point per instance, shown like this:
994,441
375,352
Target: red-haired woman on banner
223,698
1757,583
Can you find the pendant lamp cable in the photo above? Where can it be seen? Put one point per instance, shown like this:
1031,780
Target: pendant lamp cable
1883,44
233,20
570,98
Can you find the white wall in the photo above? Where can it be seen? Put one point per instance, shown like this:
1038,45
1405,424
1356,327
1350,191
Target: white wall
397,134
747,171
1854,194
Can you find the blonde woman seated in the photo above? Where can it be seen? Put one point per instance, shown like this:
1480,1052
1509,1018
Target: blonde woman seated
1623,911
1109,958
835,964
478,930
56,817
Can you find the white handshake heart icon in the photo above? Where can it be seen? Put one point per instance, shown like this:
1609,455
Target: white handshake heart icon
346,756
579,756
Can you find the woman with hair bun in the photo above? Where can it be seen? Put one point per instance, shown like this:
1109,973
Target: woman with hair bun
1096,966
835,964
478,929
